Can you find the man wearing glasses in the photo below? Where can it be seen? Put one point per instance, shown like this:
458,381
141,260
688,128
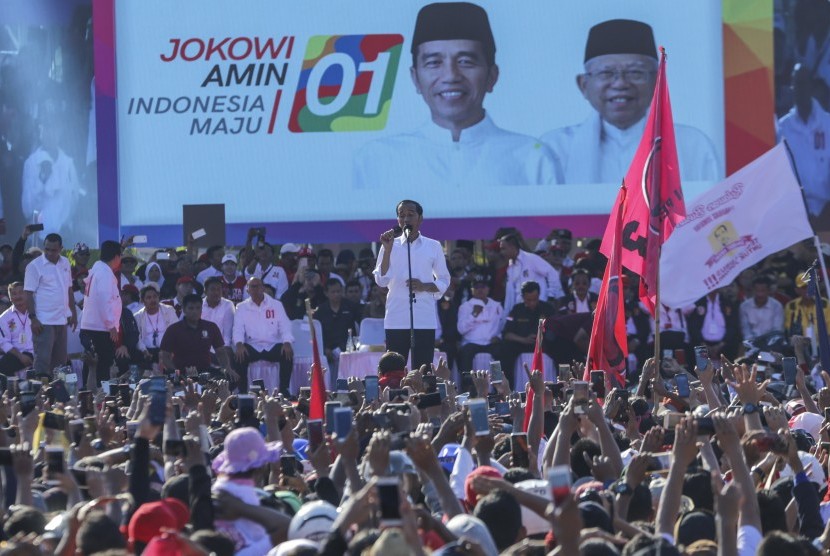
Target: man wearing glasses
618,82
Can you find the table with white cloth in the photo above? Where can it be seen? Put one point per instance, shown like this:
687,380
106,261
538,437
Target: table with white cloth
358,364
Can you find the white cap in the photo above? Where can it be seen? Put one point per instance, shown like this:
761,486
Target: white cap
289,248
229,258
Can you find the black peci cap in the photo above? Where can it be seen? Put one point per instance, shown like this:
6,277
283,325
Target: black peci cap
452,21
620,36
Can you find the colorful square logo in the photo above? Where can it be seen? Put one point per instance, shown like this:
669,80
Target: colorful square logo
346,83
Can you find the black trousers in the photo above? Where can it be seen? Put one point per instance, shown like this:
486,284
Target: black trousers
469,351
510,351
9,364
398,340
135,357
273,355
105,350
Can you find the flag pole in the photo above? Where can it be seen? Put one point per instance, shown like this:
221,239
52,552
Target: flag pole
657,306
820,257
816,241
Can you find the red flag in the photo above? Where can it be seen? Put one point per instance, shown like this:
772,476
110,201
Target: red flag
317,403
655,201
537,364
609,345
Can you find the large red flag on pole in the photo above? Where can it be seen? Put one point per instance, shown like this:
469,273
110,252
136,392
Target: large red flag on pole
537,364
608,350
317,403
655,201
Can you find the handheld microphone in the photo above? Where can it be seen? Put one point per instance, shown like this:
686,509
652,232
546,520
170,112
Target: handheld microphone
407,230
397,231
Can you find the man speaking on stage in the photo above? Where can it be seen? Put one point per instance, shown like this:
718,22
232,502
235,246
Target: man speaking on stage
430,279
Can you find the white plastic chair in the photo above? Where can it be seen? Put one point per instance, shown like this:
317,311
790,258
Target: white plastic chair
371,333
550,370
303,355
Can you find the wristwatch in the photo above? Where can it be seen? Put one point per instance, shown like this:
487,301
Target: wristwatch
750,408
623,489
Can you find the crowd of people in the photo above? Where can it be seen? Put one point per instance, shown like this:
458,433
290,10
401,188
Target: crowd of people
164,445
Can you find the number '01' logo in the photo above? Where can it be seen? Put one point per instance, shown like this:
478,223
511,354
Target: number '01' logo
346,83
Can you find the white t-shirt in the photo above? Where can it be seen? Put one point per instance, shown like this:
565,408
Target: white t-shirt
50,284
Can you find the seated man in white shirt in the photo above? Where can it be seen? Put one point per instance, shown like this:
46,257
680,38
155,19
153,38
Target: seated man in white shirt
479,323
219,311
16,333
152,321
262,332
761,313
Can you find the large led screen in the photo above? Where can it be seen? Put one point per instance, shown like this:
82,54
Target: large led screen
312,111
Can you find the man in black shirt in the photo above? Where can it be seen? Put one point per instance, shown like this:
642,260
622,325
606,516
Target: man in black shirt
520,330
187,342
337,316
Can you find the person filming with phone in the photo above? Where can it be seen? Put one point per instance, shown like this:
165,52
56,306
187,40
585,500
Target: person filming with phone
429,280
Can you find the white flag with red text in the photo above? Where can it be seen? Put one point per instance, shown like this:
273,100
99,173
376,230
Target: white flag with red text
753,213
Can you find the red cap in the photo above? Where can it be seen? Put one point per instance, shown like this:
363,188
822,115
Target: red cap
129,288
149,518
184,280
469,494
163,546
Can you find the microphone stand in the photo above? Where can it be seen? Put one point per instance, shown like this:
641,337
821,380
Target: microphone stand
407,230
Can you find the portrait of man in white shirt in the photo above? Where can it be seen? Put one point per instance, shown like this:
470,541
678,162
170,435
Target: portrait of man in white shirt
453,69
618,82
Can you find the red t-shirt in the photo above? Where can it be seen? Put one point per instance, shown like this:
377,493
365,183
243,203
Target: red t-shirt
235,291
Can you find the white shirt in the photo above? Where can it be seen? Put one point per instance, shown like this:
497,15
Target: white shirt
674,320
222,316
582,305
51,188
102,302
484,155
757,321
714,323
529,266
597,152
151,328
209,272
429,266
50,284
810,145
261,326
15,331
274,276
483,328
